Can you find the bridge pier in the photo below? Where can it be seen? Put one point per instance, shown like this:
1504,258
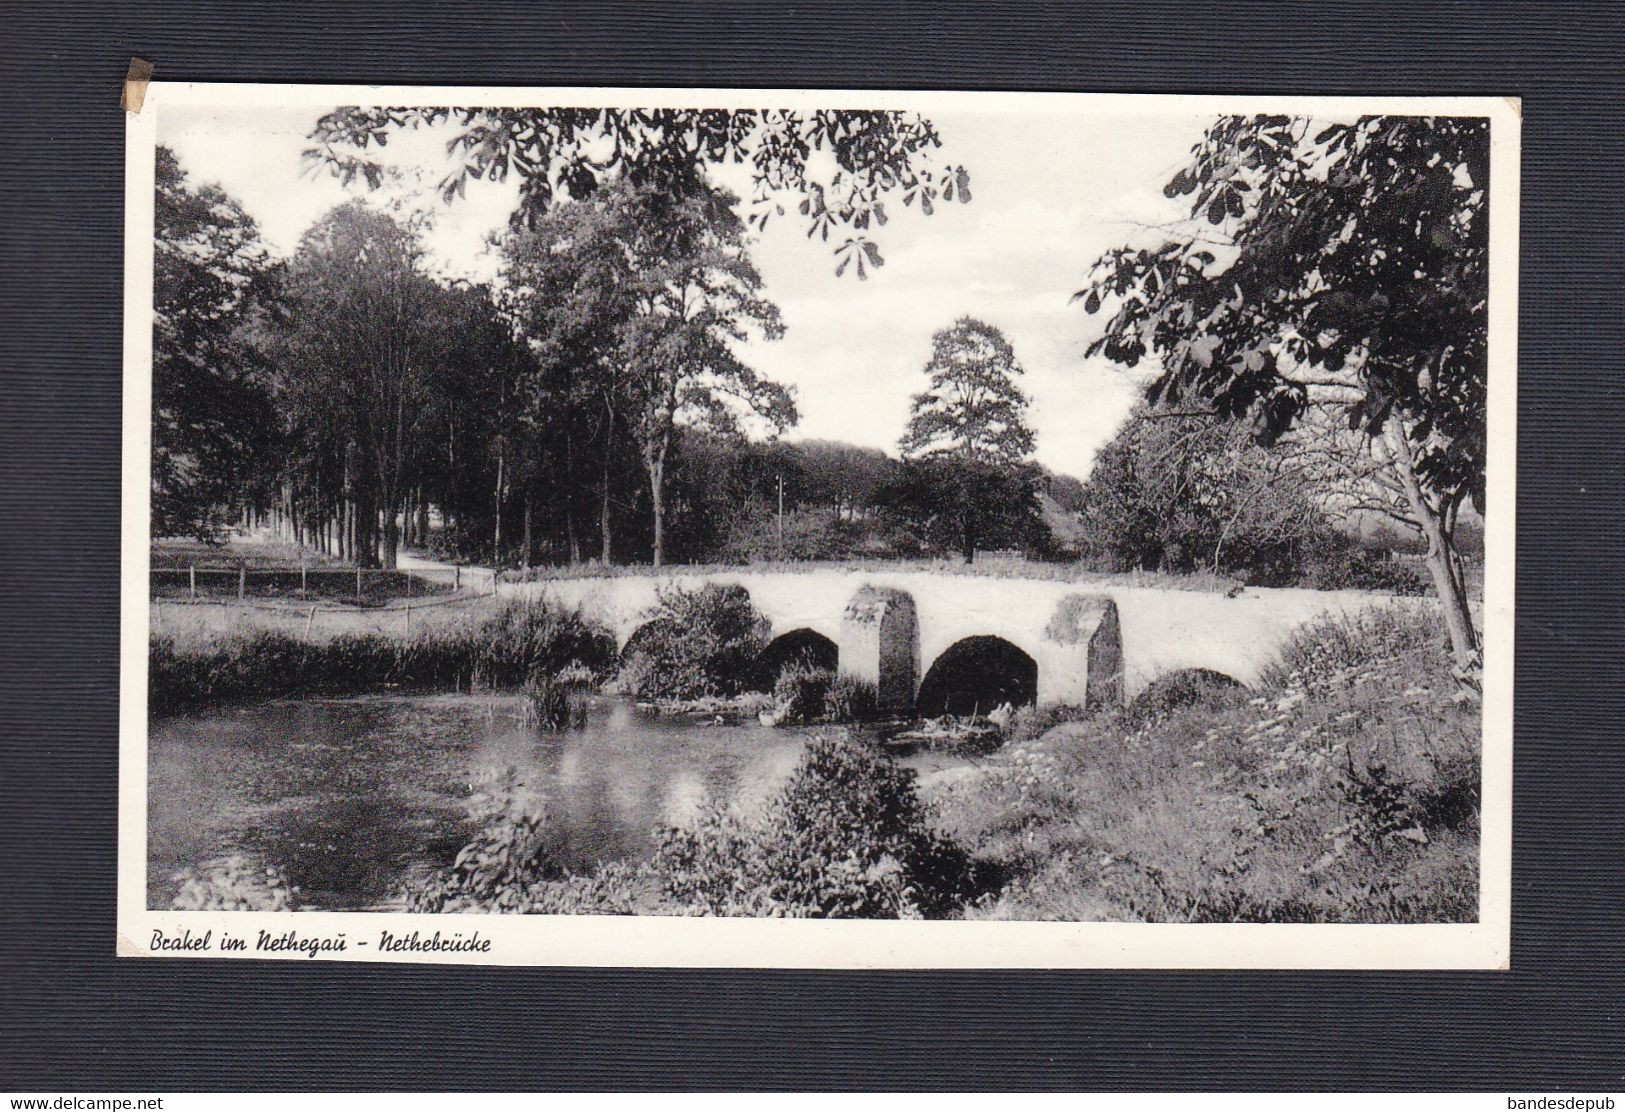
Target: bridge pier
1081,658
879,644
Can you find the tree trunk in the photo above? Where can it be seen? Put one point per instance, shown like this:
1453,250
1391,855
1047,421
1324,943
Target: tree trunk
1441,557
603,512
496,534
392,536
366,530
657,478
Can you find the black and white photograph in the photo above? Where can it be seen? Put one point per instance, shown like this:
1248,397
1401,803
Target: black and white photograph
773,527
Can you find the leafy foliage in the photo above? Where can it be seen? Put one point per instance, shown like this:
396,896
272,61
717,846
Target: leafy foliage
508,649
805,693
375,357
1345,788
931,500
696,643
1351,269
557,153
214,428
971,425
497,869
645,294
847,837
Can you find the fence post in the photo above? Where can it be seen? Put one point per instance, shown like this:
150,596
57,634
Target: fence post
242,581
457,577
409,618
303,593
310,621
358,584
191,577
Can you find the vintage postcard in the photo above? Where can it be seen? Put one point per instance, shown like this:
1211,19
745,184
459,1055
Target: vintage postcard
768,527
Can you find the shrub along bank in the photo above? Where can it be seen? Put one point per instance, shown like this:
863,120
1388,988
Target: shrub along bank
510,648
846,837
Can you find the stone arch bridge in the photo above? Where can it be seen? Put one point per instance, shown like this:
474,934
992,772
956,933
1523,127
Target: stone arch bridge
1091,643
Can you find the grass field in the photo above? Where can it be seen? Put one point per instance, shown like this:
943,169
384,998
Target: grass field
257,550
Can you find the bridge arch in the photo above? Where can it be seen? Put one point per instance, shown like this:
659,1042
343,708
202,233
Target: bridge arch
976,674
796,646
637,633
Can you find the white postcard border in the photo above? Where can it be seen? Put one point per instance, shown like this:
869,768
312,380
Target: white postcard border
852,944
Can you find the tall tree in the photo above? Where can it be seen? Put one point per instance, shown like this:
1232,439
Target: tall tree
697,294
646,294
972,419
568,152
213,422
361,350
1177,491
1351,269
570,285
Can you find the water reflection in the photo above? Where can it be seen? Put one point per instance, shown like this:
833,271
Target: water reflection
348,798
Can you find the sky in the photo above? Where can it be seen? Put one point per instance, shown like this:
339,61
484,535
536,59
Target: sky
1046,201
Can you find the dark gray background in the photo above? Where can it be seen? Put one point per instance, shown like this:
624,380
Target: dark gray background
76,1020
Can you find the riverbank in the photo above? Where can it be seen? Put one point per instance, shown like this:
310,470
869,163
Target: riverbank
494,645
1344,788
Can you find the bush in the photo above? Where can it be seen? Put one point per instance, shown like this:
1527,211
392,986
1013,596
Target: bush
1348,566
1342,645
1188,688
556,702
847,837
501,866
507,649
697,644
801,692
523,640
807,535
850,699
234,883
1029,722
805,694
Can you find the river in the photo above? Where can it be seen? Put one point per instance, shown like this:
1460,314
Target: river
350,798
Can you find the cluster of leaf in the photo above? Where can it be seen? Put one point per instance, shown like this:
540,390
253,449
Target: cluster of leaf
1354,256
571,152
214,427
1344,787
509,649
695,644
806,693
1182,493
847,837
510,854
